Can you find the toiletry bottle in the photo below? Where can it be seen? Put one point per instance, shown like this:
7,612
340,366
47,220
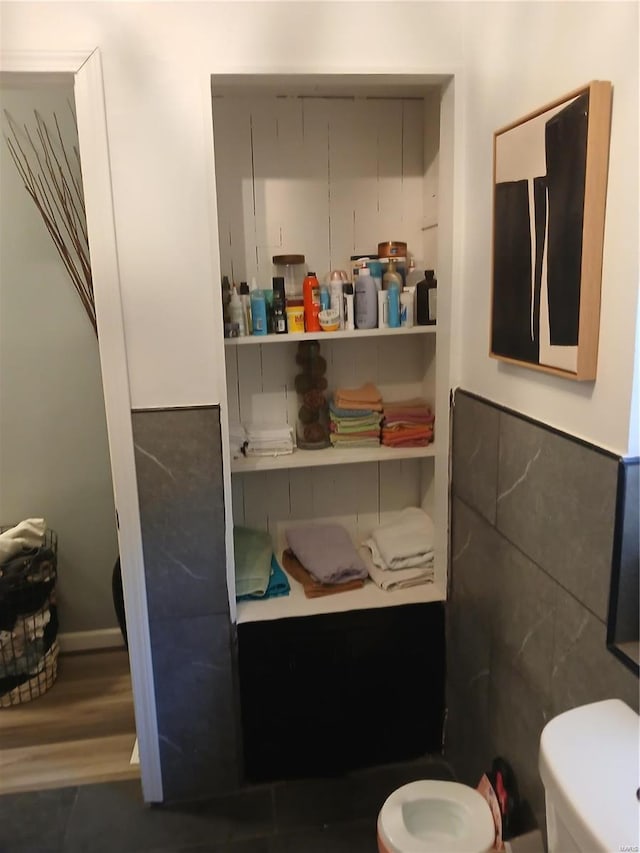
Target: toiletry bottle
406,308
268,298
336,294
375,269
414,275
394,304
279,314
432,295
258,312
366,300
349,313
236,311
383,309
245,298
426,299
390,276
226,299
325,297
311,296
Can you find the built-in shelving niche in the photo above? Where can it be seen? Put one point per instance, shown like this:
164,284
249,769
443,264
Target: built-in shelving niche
327,167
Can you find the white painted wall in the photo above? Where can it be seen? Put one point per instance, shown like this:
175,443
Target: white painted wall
508,57
54,458
521,56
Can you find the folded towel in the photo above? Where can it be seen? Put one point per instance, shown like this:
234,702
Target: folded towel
362,432
353,441
253,552
366,397
337,412
311,587
268,432
367,393
400,578
278,584
27,534
327,552
407,542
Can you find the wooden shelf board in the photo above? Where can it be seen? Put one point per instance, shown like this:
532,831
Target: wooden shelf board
329,456
252,340
367,598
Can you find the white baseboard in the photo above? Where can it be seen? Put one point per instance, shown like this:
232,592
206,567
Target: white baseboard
85,641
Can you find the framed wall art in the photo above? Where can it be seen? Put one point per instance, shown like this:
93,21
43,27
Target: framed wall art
550,187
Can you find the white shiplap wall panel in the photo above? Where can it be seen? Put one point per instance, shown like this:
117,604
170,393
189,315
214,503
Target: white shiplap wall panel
391,177
301,494
400,486
268,152
430,202
250,384
237,498
368,503
232,144
278,370
233,391
325,178
412,201
278,496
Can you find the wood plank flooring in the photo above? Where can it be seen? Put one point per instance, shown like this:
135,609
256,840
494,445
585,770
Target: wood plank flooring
82,730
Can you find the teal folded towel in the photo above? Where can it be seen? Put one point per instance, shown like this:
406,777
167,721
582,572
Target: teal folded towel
253,551
278,584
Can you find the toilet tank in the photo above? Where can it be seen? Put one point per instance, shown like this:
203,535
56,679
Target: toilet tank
589,765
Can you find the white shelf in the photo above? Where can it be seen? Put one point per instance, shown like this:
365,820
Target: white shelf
253,340
369,597
329,456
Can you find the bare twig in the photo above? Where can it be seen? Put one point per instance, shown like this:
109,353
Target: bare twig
56,191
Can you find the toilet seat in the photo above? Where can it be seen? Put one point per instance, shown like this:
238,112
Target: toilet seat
431,816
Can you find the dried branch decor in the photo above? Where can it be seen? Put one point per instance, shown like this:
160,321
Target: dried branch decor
44,164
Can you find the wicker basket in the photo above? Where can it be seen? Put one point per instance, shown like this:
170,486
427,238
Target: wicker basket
37,684
28,645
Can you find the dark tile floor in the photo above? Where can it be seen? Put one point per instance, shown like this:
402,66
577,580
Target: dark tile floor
335,815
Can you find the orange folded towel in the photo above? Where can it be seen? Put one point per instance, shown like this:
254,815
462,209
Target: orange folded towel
367,397
312,587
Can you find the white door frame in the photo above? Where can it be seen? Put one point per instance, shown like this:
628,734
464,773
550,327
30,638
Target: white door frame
86,68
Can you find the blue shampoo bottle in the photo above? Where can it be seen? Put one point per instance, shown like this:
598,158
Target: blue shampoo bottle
258,312
394,305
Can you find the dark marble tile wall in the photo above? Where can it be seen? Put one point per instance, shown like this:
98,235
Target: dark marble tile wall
179,474
533,516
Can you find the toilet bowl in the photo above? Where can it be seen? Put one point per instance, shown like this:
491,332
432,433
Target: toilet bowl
430,816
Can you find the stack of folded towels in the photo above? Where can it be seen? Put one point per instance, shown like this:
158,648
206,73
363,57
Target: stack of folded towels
355,416
258,574
257,439
400,553
408,423
323,558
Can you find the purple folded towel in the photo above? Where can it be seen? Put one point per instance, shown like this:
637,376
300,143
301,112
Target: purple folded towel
327,552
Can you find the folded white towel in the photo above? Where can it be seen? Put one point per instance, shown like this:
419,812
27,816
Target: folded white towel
378,561
406,542
28,534
269,432
399,578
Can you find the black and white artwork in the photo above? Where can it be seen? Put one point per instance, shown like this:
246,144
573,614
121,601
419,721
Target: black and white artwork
540,182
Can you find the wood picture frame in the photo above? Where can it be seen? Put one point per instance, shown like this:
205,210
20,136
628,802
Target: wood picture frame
549,196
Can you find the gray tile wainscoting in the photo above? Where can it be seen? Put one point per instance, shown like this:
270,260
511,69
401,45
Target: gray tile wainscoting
179,474
533,515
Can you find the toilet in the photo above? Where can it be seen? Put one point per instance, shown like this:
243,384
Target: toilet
430,816
589,766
